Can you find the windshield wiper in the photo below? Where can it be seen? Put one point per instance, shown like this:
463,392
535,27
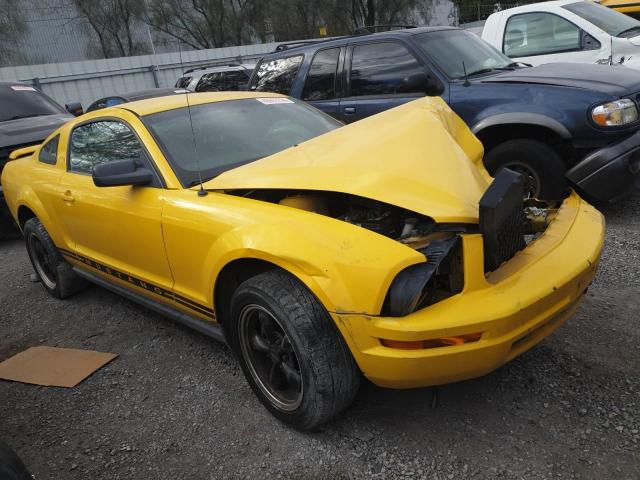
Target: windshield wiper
481,71
195,182
519,65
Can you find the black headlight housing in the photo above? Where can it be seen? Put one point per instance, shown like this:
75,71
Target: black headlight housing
420,285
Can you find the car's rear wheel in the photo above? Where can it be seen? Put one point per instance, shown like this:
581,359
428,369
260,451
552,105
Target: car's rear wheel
291,353
55,274
541,167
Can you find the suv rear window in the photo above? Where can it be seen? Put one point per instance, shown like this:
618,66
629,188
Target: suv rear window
276,75
221,81
23,101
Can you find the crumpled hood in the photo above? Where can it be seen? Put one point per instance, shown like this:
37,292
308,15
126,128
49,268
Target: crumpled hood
419,156
30,130
613,80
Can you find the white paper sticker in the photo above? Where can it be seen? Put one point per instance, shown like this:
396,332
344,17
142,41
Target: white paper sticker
23,88
273,100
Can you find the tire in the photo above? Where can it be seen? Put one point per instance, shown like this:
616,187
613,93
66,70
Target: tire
8,228
11,467
291,353
55,274
540,164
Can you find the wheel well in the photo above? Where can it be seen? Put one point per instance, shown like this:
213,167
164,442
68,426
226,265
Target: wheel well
497,134
24,214
230,277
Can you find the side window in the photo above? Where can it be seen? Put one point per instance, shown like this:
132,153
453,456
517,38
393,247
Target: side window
539,34
221,81
101,142
321,79
183,82
277,75
49,152
385,68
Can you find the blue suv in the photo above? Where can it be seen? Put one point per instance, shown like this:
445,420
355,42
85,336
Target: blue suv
557,124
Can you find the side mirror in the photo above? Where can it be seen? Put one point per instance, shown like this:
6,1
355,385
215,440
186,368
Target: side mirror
74,108
433,87
120,173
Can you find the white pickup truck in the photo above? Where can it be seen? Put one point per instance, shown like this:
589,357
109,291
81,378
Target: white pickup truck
565,31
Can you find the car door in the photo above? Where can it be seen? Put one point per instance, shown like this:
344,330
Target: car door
322,83
379,76
543,37
117,230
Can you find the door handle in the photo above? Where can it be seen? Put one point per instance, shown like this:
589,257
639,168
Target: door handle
349,110
68,197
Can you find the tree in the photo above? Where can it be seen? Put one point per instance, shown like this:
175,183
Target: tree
114,24
13,27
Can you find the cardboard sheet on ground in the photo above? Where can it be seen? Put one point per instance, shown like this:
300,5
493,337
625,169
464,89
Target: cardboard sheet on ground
53,367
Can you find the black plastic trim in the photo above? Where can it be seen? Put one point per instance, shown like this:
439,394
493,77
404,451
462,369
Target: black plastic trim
606,173
211,330
155,289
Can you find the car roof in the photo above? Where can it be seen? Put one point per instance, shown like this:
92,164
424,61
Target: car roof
150,93
171,102
368,36
9,84
217,68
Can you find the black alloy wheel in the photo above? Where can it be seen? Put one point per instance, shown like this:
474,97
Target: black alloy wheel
291,352
270,357
42,263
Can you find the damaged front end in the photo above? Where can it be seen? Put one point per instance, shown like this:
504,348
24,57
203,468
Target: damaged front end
506,221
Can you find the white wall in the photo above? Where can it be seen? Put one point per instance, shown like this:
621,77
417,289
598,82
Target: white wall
89,80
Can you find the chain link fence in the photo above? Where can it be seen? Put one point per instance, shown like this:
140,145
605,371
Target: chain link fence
470,13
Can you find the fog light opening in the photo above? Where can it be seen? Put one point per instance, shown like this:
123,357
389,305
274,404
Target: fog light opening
432,342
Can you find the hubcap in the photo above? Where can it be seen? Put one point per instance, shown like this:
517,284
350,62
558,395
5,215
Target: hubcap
41,262
530,178
270,357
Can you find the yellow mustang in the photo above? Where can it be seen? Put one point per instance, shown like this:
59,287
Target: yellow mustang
317,251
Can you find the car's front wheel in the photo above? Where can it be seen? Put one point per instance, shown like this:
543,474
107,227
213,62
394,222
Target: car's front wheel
291,353
55,274
540,165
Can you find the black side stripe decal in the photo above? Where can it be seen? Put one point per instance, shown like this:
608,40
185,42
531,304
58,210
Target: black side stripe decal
202,309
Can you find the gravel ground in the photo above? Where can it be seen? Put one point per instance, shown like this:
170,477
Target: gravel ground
175,405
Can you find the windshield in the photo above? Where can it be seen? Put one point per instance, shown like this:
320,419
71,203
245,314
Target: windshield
612,22
232,133
23,101
450,48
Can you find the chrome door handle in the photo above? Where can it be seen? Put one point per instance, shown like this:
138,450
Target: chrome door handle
68,197
349,110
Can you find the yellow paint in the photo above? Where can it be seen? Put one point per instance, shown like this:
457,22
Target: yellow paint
624,6
419,156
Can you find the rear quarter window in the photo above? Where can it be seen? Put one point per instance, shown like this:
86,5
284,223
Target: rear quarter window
276,75
49,152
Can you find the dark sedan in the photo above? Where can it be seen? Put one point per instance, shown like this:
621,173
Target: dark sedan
133,96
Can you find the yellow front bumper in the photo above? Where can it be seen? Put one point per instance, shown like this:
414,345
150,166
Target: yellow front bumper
514,308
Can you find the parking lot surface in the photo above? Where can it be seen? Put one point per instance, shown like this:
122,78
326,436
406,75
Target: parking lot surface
174,404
